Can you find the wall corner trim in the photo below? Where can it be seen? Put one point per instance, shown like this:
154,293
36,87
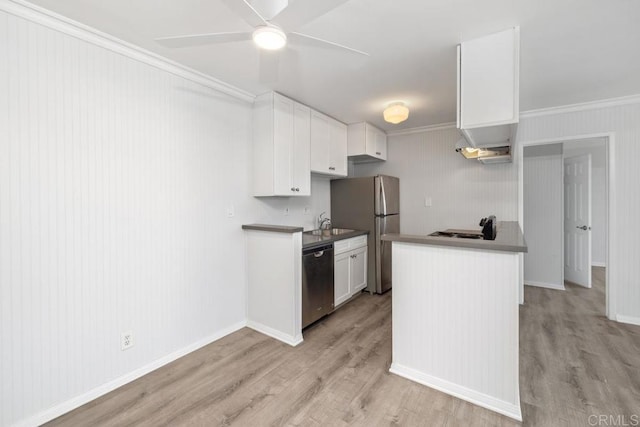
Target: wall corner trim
42,16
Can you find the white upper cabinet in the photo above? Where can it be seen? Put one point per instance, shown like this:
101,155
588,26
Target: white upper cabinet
367,143
488,88
281,144
328,145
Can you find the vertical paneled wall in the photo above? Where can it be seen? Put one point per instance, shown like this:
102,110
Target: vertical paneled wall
543,199
462,191
624,251
115,178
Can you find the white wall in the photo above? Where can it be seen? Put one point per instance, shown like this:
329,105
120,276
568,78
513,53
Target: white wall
597,149
623,121
543,201
271,209
115,177
462,191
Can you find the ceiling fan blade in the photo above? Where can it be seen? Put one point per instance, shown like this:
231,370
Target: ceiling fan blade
299,12
269,66
248,13
203,39
325,43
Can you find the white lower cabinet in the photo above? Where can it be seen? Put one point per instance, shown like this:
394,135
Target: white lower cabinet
350,268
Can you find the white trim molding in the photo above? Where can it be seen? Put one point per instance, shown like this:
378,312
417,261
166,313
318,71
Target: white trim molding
430,128
583,106
275,334
598,264
76,402
569,108
480,399
545,285
49,19
628,319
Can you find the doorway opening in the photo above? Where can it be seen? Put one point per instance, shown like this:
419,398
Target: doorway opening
564,212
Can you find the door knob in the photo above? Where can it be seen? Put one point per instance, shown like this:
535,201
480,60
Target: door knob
584,227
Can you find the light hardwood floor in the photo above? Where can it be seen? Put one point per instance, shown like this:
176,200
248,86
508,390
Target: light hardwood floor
574,363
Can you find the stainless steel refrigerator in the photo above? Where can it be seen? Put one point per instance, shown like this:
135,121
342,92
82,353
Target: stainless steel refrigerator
373,204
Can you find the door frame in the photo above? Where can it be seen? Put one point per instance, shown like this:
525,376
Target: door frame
609,137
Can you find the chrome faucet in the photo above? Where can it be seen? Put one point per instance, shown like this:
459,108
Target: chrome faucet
324,223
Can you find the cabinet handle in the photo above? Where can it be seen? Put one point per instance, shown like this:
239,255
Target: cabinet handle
378,153
331,168
293,188
297,189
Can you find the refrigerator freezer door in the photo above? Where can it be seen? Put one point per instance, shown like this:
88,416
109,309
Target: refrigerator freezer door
384,225
387,195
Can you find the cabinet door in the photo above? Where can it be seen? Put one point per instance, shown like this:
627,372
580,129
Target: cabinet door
319,142
488,80
342,291
337,148
358,270
300,159
371,137
381,145
282,145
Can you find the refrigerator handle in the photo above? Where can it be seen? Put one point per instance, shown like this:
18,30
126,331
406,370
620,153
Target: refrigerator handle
383,198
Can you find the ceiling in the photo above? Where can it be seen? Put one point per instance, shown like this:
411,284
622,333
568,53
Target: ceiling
572,51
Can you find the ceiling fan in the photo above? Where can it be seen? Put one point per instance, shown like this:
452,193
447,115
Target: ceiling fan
268,34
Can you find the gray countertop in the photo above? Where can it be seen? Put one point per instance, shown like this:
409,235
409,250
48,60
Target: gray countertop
309,240
509,238
273,228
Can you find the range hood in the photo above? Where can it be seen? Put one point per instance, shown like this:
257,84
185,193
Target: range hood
486,155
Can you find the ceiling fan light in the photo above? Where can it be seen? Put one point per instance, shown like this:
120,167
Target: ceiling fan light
270,38
396,113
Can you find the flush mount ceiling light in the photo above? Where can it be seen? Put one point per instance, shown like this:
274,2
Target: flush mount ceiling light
396,113
269,37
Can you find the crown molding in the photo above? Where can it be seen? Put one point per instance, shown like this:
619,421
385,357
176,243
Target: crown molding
583,106
430,128
42,16
562,109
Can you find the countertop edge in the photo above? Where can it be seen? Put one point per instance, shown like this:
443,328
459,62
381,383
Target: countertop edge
510,240
332,239
273,228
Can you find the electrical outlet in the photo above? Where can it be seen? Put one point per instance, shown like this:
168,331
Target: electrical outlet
286,211
428,202
230,211
126,340
307,210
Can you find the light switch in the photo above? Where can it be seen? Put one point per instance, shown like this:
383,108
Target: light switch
230,211
428,202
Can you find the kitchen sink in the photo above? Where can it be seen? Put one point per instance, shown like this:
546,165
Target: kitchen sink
330,232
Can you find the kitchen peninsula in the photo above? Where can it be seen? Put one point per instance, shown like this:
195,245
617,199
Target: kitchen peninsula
455,315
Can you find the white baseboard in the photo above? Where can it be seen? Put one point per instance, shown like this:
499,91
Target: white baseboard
93,394
274,333
628,319
545,285
511,410
598,264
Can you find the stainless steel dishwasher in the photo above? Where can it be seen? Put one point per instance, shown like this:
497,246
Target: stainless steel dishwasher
317,283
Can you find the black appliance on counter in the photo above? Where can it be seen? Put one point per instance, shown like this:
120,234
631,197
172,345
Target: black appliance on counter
488,232
488,227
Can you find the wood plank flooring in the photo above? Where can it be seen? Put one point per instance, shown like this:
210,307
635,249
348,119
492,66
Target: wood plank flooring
574,363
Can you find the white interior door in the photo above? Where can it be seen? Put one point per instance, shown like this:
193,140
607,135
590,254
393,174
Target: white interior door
577,220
